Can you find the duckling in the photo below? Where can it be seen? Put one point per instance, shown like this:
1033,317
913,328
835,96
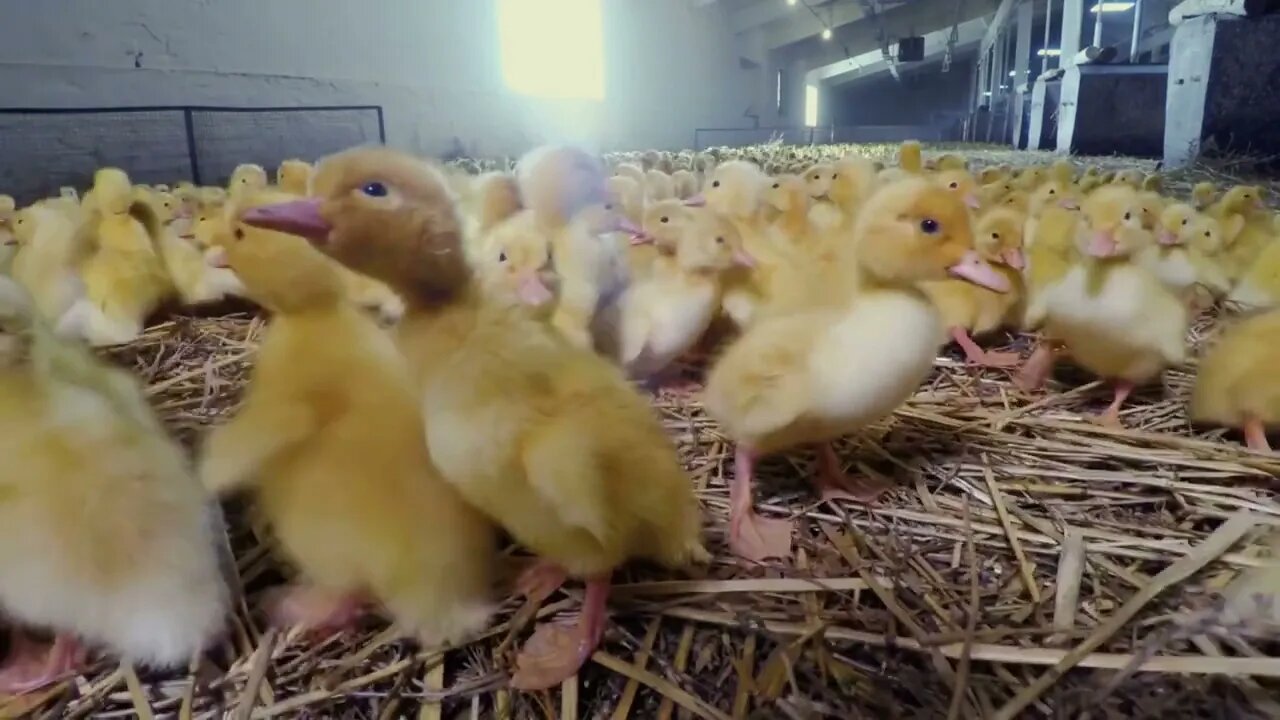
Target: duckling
124,276
1203,195
961,183
8,241
1259,287
1051,252
629,170
686,184
969,308
109,539
1254,235
817,180
1117,319
495,197
1180,257
1236,385
331,441
658,186
811,377
546,438
51,245
1129,176
292,177
246,179
664,315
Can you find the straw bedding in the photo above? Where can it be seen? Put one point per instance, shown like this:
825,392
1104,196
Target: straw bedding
1027,563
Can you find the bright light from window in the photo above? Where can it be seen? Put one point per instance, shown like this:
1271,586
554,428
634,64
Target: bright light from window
1110,7
826,33
778,91
1048,52
811,105
552,48
791,2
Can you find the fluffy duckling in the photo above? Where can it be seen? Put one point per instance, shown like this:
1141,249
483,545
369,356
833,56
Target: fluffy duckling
994,174
968,309
1203,195
665,314
630,170
910,163
109,540
1129,176
1259,287
1116,317
962,184
660,235
246,179
1180,257
8,241
546,438
817,180
811,377
51,246
1237,385
1051,252
1255,235
124,276
494,197
658,186
292,177
686,184
330,440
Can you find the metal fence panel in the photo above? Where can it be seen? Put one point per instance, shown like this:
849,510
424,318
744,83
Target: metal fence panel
42,151
738,137
226,138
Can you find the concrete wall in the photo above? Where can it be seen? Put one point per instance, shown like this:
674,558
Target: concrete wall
433,65
918,99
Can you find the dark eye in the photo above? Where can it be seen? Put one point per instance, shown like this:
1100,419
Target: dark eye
954,186
995,236
715,183
817,177
1206,233
929,226
1184,222
609,206
665,219
374,189
502,257
776,186
719,241
1052,191
239,234
1127,215
835,175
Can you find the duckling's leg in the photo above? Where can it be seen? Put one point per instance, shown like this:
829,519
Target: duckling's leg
834,483
31,665
751,536
540,579
1111,418
555,652
1255,434
318,611
978,356
1037,368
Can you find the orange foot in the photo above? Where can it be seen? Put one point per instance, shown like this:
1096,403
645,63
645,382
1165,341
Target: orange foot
1111,417
318,612
751,536
1036,370
556,651
975,355
539,580
1255,435
31,666
835,484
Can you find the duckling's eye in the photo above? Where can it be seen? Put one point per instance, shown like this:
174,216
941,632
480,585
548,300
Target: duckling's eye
715,183
929,226
502,257
817,177
777,185
835,175
239,234
1128,215
374,189
1052,191
665,219
719,241
608,206
995,236
1184,223
954,185
1207,234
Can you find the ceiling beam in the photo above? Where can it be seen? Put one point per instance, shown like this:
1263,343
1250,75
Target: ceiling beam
802,24
872,62
762,12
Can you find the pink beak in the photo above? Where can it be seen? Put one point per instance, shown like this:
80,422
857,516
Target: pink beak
641,238
743,259
979,272
1168,238
296,217
531,290
972,201
1068,204
1014,258
698,200
217,257
1102,244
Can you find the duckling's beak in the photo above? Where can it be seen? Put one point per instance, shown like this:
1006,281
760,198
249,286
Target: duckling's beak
977,271
1168,238
531,289
698,200
1102,244
1068,204
742,258
641,238
217,258
1013,258
972,202
296,217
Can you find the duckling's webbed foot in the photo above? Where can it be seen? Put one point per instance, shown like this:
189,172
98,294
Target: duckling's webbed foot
539,580
1255,435
834,484
1111,417
317,611
752,536
556,651
977,356
1037,368
31,665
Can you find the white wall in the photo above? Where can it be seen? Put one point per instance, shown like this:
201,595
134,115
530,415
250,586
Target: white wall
432,64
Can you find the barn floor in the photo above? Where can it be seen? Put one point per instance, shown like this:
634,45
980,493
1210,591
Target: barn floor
1024,556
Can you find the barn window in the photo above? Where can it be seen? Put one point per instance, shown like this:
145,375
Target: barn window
552,48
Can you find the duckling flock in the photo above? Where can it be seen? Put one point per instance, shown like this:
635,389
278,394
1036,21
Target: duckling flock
526,305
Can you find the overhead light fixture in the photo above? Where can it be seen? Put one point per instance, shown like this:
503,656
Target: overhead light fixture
986,94
1013,73
791,2
826,33
1108,7
1048,52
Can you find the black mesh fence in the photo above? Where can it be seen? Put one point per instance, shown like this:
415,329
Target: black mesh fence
42,150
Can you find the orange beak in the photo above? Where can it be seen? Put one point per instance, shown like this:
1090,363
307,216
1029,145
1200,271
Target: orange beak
743,259
979,272
1014,258
297,217
1102,244
698,200
531,290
